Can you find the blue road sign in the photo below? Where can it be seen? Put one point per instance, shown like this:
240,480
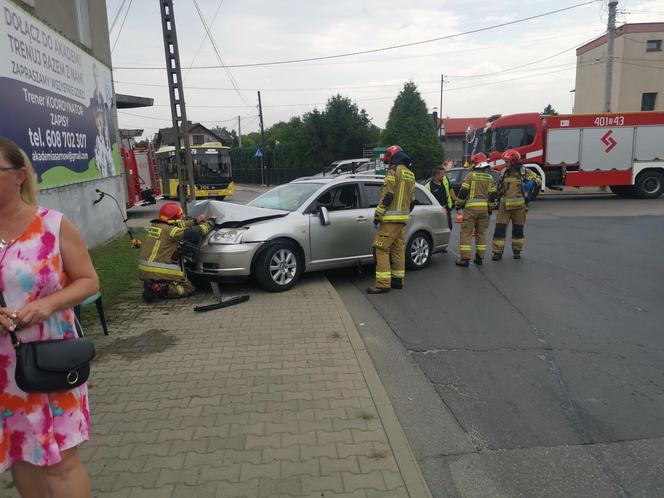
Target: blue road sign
259,152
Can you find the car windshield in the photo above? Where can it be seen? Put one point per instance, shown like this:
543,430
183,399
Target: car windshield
332,167
288,197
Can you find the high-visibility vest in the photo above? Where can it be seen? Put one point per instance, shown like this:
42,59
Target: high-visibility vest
446,185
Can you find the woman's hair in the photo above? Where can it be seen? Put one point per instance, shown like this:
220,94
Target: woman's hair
18,159
448,161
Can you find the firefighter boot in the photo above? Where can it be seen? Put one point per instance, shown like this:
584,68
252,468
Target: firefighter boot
478,260
517,254
496,256
148,294
396,283
462,262
377,290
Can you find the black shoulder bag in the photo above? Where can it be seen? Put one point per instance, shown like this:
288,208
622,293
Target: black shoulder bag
51,366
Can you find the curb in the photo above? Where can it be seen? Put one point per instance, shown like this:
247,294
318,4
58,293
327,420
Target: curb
403,454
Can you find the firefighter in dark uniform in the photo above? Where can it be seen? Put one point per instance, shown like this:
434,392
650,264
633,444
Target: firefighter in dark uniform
160,265
439,186
514,187
391,216
476,196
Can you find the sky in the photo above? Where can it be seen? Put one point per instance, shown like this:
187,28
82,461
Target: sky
481,74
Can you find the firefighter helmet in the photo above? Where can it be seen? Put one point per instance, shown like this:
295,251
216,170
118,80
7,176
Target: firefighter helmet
390,153
478,158
170,211
511,157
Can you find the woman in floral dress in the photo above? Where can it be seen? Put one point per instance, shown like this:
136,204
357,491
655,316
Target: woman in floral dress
45,269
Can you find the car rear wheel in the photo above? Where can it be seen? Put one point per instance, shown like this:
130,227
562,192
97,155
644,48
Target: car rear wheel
279,267
649,185
419,250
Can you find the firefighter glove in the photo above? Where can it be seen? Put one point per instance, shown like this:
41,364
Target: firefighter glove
376,223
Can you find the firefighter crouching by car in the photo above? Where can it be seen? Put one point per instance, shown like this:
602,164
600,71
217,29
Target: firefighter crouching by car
476,196
160,265
514,187
391,217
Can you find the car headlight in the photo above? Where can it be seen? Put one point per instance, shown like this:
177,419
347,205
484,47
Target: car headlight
227,236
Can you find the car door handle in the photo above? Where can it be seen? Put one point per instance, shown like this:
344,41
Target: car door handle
361,219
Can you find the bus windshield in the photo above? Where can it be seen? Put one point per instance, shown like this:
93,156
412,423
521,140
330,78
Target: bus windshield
211,165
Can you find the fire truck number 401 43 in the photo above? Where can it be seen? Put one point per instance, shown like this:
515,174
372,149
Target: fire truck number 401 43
622,151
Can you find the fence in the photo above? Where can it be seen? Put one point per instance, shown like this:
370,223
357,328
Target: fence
273,176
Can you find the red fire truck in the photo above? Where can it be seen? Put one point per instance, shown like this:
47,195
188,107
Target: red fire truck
624,151
141,174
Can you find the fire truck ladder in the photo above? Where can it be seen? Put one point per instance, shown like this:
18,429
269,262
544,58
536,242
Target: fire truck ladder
178,109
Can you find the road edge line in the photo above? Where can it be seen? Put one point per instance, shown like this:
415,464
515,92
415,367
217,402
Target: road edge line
416,485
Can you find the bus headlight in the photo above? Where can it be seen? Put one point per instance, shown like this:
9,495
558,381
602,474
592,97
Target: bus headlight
227,236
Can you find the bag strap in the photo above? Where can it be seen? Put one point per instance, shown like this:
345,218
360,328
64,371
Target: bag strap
12,333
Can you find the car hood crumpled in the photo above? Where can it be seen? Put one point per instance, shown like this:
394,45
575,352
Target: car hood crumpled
233,215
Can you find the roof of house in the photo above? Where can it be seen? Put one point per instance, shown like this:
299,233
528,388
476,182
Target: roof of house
458,126
642,27
166,136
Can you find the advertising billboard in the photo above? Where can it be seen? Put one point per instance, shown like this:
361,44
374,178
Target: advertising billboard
55,101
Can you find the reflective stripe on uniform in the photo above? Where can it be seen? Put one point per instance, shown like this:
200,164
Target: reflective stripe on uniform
163,268
154,232
161,271
481,247
383,274
514,201
476,202
465,247
398,273
400,218
155,250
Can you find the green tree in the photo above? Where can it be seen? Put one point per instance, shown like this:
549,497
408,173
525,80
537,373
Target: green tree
410,126
549,110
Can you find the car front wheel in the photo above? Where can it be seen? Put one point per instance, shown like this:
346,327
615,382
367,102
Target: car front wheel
279,267
419,250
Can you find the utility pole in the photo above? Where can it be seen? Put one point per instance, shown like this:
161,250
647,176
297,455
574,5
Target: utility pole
440,108
178,110
239,131
610,33
260,116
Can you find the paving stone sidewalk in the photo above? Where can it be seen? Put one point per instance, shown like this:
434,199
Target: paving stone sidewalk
265,399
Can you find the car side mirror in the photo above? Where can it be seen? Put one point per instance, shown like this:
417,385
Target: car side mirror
324,216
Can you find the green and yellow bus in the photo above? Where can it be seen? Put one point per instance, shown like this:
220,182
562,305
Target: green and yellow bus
213,173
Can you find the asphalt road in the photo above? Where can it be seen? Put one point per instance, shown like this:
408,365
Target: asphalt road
537,377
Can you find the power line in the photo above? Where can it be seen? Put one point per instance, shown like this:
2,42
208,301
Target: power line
216,50
391,97
419,56
143,116
122,26
392,47
116,16
200,46
360,87
639,65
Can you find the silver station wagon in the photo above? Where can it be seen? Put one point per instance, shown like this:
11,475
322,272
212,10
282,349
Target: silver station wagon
309,225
